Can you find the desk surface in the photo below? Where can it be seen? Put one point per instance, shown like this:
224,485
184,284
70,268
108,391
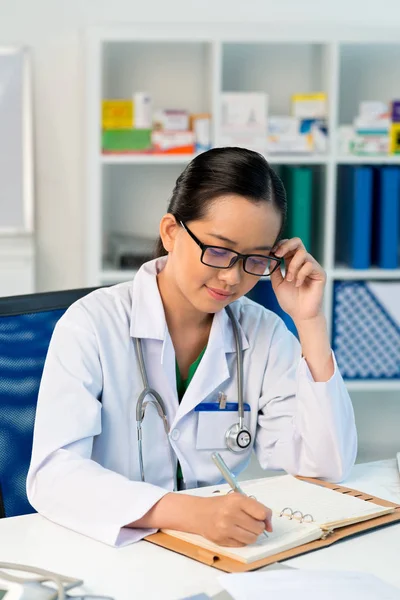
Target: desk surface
143,570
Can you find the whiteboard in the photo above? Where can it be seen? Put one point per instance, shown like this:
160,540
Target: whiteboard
16,160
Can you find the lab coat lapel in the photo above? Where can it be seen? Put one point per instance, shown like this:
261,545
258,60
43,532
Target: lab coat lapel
168,363
148,322
213,369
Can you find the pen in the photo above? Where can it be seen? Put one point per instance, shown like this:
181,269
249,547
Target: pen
228,476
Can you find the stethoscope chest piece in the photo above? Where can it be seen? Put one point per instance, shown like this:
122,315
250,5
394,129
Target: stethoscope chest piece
238,438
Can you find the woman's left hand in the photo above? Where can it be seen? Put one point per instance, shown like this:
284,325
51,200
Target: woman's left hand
300,292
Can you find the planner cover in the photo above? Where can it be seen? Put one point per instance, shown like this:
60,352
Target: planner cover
230,565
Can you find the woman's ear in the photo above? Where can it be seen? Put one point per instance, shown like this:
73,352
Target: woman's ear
169,229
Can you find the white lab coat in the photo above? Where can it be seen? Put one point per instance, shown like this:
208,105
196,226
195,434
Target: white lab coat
84,472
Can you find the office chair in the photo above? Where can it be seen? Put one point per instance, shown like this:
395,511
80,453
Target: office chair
26,326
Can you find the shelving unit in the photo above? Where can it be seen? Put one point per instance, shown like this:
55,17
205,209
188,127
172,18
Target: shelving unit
188,66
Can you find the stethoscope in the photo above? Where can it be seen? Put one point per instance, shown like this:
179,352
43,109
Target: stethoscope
237,437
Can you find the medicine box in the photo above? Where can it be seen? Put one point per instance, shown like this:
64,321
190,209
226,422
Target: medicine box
126,140
310,106
244,120
117,114
173,142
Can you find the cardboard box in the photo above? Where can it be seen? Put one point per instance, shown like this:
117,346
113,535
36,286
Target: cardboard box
126,141
244,120
143,110
117,114
395,139
310,106
171,120
173,142
395,111
200,124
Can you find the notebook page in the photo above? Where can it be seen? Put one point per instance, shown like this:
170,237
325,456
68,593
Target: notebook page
285,535
326,506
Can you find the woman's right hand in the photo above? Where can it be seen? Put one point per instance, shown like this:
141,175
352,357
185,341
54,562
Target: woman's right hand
229,520
233,519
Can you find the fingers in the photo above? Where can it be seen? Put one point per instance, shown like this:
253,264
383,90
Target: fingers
284,247
259,512
250,525
300,265
234,520
268,522
255,509
243,537
295,264
303,273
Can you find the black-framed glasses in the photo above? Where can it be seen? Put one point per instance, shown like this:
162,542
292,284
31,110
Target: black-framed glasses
224,258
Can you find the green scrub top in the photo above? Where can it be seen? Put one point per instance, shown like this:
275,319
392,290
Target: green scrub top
181,386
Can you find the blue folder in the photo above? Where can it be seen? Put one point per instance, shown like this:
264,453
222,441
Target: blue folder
354,217
386,219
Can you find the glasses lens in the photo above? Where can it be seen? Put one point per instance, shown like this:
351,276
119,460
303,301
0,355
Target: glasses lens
218,257
260,265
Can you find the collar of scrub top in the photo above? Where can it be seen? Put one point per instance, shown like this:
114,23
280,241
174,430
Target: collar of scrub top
148,318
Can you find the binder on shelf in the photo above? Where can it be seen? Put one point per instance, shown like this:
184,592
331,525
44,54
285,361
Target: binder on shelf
221,558
386,219
354,217
366,329
299,187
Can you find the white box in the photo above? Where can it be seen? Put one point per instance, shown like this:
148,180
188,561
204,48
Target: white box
244,112
142,110
372,110
279,125
171,120
244,120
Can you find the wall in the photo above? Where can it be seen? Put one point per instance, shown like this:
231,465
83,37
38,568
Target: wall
53,30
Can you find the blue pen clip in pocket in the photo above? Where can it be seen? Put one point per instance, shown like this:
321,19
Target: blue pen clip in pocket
214,421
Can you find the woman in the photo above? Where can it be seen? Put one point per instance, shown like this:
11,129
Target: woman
219,236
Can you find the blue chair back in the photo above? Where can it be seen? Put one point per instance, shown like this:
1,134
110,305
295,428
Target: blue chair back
26,326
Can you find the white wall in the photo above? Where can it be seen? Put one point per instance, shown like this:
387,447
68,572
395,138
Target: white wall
53,30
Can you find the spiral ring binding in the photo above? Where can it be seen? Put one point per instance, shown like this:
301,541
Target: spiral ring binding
297,514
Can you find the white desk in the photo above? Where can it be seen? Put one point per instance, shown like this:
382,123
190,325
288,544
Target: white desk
145,571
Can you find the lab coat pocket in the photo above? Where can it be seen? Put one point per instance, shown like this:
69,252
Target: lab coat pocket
212,426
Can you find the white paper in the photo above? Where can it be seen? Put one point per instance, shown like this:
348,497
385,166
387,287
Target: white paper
308,585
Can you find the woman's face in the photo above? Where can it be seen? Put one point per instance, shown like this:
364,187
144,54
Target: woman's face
232,222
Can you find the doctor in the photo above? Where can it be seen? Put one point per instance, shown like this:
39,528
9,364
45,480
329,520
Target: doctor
89,473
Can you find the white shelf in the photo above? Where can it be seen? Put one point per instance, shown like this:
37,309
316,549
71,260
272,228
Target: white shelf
298,159
183,159
377,159
370,385
373,273
189,66
145,159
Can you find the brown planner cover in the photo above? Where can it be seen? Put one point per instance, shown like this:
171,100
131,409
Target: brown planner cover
230,565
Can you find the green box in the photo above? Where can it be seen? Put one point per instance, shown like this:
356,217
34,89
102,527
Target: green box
126,140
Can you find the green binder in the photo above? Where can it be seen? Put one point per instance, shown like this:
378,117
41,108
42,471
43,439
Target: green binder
299,186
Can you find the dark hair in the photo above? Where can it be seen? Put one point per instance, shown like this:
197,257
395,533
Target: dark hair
222,171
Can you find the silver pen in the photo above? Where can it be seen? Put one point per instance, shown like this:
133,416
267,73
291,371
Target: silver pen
229,476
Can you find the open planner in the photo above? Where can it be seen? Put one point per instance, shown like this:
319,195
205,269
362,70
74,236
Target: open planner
302,513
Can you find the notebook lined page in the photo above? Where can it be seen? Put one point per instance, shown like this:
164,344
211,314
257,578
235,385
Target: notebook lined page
286,534
325,505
